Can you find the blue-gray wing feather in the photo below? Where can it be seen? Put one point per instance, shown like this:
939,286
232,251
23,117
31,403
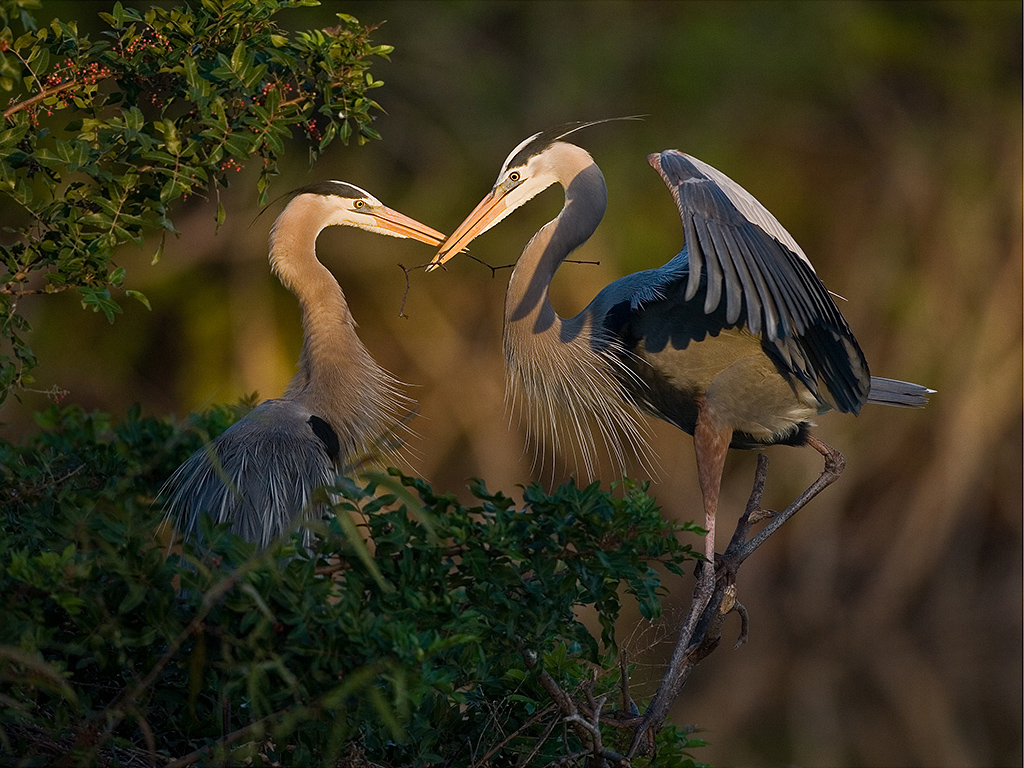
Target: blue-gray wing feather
260,475
749,270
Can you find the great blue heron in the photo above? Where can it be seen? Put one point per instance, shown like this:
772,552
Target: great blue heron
735,340
261,473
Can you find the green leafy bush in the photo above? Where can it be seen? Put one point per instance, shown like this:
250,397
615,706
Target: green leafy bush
402,638
102,136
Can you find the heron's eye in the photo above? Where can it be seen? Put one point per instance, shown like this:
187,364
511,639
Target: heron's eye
358,204
514,176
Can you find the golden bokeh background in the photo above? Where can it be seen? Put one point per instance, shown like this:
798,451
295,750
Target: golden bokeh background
886,617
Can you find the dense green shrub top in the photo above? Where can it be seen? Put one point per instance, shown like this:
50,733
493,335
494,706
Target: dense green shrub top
401,635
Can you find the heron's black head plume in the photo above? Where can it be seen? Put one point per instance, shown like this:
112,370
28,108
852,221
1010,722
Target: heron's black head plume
544,139
336,188
331,187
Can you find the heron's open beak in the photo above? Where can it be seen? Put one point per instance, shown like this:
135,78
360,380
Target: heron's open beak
483,217
401,225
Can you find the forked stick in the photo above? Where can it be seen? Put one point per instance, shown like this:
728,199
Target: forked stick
701,631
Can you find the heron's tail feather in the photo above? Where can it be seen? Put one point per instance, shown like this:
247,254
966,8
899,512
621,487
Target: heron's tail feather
899,393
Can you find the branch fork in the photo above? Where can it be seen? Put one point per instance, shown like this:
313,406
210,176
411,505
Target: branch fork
701,630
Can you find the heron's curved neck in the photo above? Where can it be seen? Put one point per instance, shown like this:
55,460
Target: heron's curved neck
332,354
585,201
293,259
559,368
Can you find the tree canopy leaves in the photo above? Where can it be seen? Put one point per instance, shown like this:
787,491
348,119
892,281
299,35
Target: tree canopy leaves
102,136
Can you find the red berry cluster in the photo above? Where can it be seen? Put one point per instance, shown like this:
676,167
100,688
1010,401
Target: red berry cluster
91,74
230,165
66,82
285,88
148,39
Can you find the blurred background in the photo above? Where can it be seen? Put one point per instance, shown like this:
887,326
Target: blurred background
886,617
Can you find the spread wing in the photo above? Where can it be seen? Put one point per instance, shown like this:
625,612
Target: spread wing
741,258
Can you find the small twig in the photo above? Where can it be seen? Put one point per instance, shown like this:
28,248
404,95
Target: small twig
42,95
223,741
587,731
744,623
504,742
55,393
18,293
577,719
540,742
333,568
408,287
554,690
589,691
628,705
343,565
570,759
495,270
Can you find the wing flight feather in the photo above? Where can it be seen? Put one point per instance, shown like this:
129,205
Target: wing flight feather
743,257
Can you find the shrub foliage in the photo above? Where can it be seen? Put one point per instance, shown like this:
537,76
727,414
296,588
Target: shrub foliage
400,637
101,137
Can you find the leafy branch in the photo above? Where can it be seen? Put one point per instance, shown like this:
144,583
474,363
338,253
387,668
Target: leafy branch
101,137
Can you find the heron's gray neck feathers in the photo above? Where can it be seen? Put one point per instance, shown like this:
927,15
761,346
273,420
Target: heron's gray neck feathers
337,379
565,379
585,202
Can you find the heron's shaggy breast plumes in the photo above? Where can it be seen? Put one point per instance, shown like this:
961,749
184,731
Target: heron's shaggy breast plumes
567,390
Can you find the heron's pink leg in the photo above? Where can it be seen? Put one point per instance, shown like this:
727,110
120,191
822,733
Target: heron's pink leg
710,442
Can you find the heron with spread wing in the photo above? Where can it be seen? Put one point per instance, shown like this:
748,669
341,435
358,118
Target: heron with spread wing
262,472
735,340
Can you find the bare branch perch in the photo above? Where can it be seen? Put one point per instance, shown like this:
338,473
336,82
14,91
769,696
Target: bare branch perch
699,635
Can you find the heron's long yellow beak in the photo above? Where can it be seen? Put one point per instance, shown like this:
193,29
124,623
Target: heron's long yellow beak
403,226
479,221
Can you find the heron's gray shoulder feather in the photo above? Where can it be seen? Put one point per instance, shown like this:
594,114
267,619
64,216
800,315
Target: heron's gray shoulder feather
260,474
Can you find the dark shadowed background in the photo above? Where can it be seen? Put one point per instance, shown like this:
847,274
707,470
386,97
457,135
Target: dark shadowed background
886,617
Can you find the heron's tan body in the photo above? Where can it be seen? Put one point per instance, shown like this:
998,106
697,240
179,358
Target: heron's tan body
737,382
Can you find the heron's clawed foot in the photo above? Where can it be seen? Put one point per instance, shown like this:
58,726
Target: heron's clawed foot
760,515
728,599
835,462
739,608
730,604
